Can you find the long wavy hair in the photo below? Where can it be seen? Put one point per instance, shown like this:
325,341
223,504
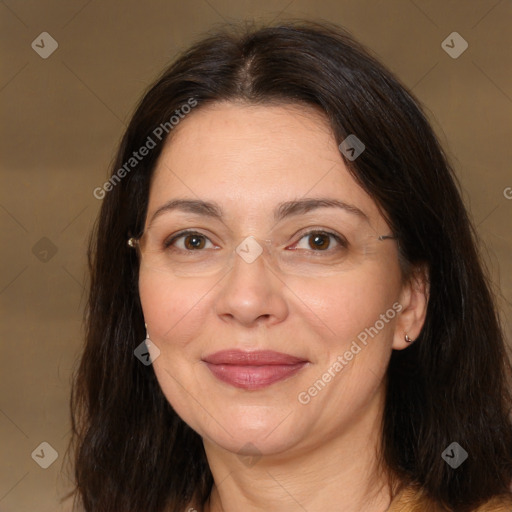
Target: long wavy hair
131,451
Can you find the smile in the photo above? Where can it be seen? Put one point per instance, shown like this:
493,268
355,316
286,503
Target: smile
253,370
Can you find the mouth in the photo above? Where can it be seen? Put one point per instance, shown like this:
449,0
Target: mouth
253,370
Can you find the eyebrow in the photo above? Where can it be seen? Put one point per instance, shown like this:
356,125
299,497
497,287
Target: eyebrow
283,210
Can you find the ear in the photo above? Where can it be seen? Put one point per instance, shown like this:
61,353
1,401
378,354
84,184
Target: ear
414,300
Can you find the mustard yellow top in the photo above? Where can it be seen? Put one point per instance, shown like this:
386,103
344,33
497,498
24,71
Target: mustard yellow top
413,499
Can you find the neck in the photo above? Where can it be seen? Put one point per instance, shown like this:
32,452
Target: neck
342,472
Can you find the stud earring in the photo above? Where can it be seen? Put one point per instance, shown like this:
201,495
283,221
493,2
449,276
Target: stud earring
407,339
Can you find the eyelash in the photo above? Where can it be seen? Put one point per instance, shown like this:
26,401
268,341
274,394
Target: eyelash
341,240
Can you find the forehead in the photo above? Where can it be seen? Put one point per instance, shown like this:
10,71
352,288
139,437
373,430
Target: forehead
251,157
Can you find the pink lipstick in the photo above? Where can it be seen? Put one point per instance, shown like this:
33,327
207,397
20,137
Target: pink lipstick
253,370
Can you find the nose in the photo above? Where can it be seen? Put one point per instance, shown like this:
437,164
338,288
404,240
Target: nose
251,293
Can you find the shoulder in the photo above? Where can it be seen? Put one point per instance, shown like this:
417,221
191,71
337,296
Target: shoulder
414,499
497,504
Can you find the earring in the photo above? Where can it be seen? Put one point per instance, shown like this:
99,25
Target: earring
147,334
407,339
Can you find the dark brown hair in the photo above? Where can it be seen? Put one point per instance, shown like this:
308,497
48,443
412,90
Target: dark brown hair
131,451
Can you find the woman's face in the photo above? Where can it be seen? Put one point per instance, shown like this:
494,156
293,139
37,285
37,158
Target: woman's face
333,304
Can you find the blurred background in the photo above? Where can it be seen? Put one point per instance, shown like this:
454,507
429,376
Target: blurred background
71,75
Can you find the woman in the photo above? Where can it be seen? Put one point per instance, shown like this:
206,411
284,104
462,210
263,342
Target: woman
287,310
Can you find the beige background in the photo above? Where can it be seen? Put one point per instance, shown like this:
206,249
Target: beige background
63,116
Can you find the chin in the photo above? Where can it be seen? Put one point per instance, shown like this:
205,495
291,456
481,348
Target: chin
269,435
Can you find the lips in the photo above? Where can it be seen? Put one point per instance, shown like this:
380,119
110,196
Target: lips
253,370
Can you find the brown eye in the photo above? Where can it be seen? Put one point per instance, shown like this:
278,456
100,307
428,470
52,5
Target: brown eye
192,242
319,241
187,241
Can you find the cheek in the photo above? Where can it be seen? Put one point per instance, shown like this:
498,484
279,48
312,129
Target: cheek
173,311
353,339
171,305
344,306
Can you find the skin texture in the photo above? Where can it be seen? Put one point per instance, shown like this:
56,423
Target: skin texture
266,450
